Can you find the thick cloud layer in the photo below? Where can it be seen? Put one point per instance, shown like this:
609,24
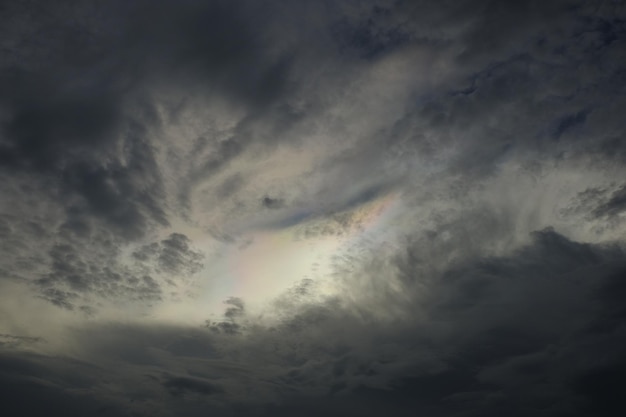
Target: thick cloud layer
272,208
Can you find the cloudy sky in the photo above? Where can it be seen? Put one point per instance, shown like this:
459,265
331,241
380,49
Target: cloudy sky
313,208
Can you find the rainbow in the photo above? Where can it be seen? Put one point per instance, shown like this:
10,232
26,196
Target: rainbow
272,260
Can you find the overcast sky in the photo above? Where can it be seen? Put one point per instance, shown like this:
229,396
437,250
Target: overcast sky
312,208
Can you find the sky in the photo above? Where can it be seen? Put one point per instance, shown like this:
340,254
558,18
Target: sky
312,207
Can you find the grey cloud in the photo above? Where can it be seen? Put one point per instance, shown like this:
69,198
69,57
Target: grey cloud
180,385
602,204
615,204
494,325
525,332
82,122
177,255
516,86
568,122
59,298
370,35
491,120
13,341
208,43
525,326
64,128
60,386
77,275
173,255
232,318
272,203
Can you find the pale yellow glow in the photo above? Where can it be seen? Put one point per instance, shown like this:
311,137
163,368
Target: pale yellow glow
263,264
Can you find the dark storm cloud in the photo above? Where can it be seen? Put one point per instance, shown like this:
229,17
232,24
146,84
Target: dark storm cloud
75,113
538,331
569,122
180,385
215,44
520,65
467,316
371,35
59,385
509,335
64,119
